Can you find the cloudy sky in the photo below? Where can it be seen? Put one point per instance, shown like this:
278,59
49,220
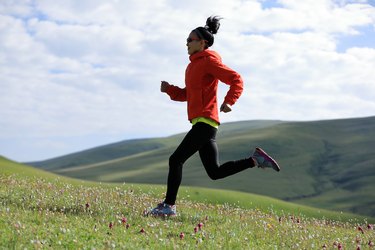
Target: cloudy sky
80,74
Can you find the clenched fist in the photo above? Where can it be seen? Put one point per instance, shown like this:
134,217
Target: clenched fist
225,107
164,86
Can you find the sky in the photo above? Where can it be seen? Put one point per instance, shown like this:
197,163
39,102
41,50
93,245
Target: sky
80,74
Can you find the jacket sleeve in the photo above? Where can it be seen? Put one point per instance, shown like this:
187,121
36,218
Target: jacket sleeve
177,93
227,76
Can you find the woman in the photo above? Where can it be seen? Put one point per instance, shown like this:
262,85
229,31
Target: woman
200,92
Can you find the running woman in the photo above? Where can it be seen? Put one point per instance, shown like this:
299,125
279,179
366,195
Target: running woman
200,92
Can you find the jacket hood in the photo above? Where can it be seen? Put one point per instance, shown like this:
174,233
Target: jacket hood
205,53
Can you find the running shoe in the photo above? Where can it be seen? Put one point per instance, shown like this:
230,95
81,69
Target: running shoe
264,160
163,209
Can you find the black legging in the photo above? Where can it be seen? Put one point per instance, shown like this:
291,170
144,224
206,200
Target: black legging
200,138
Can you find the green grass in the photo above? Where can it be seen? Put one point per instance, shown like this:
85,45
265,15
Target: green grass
42,210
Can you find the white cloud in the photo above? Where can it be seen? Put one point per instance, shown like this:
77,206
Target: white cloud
79,70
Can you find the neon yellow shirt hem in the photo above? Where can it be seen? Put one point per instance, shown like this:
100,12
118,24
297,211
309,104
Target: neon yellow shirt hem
208,121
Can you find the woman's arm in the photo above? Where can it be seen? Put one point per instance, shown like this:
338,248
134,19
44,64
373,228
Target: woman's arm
174,92
227,76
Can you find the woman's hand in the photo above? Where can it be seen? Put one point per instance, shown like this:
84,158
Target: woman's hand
225,107
164,86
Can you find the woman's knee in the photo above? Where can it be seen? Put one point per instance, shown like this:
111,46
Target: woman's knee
173,160
175,163
213,175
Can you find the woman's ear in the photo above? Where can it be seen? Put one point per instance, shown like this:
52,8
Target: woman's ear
203,44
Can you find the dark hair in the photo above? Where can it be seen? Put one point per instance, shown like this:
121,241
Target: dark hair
207,32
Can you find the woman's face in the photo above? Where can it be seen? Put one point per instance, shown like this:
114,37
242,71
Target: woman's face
194,44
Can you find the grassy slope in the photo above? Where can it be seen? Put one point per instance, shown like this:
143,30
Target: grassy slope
327,164
195,194
42,210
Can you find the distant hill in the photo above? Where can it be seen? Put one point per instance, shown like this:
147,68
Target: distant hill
327,164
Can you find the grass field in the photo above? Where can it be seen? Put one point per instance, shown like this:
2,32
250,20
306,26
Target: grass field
41,210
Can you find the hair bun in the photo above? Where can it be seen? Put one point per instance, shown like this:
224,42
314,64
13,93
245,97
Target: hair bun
213,24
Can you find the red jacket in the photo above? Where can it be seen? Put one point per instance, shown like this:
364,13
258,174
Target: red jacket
201,79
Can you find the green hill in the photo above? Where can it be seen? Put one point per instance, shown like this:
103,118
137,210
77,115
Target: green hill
326,164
